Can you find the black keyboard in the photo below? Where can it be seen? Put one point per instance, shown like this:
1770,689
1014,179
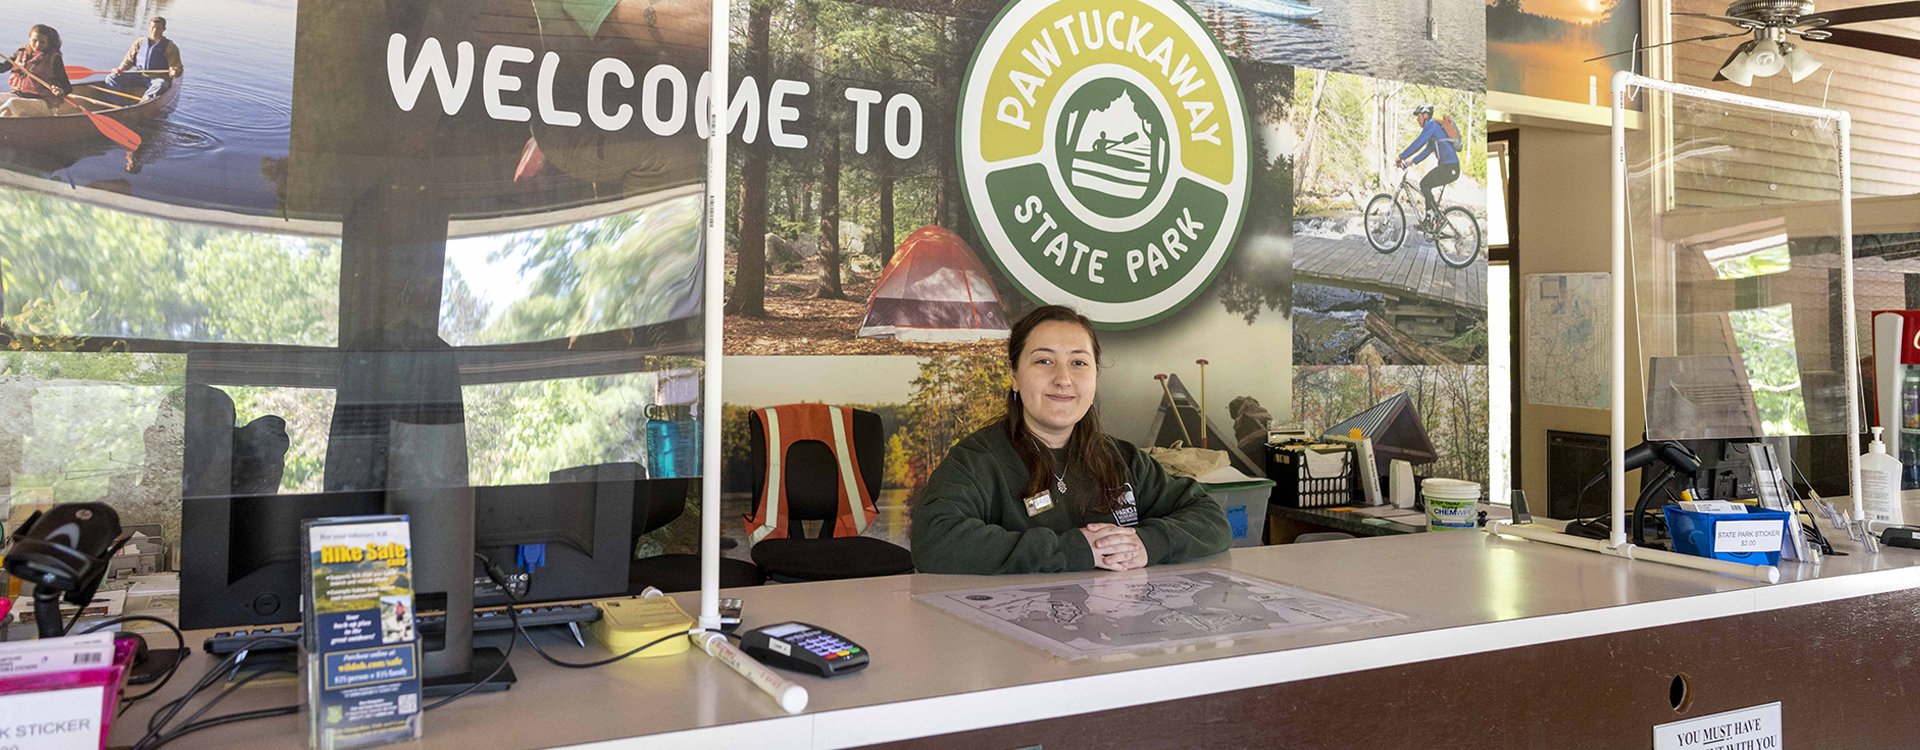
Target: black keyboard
227,642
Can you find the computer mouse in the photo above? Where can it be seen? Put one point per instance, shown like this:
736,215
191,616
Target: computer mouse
139,645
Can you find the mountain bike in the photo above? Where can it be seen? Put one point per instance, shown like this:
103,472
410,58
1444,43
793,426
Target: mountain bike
1454,231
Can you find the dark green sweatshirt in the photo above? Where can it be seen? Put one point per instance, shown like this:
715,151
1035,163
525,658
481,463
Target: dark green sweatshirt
972,515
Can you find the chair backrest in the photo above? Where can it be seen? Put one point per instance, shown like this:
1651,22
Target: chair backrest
812,474
659,502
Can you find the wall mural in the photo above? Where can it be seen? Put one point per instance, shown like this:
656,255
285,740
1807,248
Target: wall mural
832,248
516,185
1535,47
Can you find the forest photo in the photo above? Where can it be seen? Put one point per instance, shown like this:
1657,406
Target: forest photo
1371,285
1451,403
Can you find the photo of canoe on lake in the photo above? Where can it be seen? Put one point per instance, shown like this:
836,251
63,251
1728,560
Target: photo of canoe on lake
221,139
284,118
1431,42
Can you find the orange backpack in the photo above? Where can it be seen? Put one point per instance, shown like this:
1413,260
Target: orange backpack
1453,133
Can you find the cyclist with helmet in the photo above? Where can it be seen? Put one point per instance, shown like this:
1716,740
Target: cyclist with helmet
1433,139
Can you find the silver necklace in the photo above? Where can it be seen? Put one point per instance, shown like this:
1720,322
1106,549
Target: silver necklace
1059,478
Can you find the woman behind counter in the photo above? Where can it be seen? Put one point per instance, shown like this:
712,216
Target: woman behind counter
1045,490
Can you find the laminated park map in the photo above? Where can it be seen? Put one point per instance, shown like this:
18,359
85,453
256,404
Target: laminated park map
1118,614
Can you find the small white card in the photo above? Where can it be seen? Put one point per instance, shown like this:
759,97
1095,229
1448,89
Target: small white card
1039,504
1712,506
52,719
1757,728
1747,536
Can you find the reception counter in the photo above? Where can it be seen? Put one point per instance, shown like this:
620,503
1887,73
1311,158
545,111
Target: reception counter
1503,643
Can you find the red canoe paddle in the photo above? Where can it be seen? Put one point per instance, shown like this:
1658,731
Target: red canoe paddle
76,72
114,131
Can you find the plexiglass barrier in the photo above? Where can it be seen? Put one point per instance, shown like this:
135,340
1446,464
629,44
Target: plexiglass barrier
1738,243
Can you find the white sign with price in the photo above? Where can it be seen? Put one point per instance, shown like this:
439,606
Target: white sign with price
52,719
1747,536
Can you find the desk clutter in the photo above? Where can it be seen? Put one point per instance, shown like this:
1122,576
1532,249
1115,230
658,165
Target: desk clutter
1345,473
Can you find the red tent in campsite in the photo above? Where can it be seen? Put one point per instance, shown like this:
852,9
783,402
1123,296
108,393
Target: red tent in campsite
935,290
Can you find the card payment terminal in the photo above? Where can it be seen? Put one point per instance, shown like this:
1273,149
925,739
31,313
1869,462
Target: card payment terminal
804,648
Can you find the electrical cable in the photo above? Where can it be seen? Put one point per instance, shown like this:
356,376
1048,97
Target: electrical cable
179,637
177,732
158,735
170,709
515,616
70,623
265,713
499,577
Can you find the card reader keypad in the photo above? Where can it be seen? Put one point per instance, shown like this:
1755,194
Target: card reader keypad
823,644
805,648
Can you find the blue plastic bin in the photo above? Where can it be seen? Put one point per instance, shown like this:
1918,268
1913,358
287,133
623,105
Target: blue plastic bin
1693,533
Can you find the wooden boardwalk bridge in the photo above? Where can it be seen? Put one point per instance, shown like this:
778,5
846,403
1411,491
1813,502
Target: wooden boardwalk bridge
1414,272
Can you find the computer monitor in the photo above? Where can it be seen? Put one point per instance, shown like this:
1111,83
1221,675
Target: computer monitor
240,555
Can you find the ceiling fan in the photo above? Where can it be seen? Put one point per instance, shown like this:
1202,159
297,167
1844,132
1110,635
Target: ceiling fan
1773,23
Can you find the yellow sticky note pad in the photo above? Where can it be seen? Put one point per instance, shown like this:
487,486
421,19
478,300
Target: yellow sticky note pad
627,624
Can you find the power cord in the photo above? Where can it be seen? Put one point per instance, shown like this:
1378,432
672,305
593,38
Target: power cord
178,637
505,656
499,577
157,732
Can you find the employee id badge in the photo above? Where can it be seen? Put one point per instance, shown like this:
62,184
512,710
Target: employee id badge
1039,504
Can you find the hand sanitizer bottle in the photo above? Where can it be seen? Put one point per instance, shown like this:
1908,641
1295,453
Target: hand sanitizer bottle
1880,482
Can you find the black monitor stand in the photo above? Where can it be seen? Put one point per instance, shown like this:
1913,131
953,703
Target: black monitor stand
443,563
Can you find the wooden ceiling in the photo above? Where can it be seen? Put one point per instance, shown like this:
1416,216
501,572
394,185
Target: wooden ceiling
1882,92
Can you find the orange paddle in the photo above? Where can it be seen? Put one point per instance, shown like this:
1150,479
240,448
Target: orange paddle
114,131
75,71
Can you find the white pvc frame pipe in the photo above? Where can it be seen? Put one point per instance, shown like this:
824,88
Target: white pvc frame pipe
1617,544
713,302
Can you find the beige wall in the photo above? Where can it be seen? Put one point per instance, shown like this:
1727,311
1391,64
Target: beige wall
1564,228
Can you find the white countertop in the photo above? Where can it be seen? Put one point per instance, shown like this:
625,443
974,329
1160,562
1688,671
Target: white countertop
1461,592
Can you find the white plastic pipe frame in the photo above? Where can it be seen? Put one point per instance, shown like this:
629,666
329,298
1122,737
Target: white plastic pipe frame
1761,573
1617,544
712,302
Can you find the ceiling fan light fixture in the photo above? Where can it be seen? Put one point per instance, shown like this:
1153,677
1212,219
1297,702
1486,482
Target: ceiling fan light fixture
1766,58
1800,64
1739,68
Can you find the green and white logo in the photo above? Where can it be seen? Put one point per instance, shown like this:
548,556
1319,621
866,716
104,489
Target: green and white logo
1103,150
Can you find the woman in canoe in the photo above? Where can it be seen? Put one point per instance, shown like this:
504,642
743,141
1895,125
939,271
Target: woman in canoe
40,58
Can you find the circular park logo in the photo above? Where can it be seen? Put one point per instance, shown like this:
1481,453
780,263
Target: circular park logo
1103,152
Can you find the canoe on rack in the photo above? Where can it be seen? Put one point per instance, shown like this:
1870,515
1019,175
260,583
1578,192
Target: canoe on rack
55,130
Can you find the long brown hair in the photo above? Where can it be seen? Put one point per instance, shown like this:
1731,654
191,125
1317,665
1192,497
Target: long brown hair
52,36
1090,453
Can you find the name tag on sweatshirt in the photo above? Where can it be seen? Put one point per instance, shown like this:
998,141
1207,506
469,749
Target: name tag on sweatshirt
1039,504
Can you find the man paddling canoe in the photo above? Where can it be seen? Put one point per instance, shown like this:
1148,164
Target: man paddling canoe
156,55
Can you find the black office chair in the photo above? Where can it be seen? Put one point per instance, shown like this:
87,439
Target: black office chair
665,500
813,494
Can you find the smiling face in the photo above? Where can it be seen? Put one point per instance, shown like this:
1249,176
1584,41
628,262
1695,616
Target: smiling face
39,42
156,29
1055,376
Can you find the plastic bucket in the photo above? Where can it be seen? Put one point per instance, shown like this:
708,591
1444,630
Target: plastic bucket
1451,503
